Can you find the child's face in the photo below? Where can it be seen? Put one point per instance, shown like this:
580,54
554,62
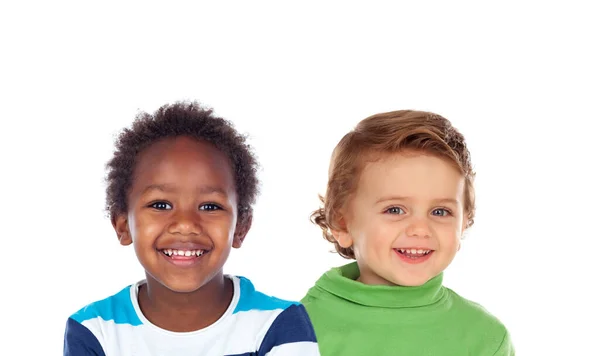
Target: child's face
182,213
404,202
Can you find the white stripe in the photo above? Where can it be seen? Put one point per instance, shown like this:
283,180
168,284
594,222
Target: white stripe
250,328
107,330
239,333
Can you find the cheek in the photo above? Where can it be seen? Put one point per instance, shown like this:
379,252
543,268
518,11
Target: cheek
449,234
377,236
221,228
145,227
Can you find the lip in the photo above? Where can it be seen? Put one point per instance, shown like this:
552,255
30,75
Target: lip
185,246
414,261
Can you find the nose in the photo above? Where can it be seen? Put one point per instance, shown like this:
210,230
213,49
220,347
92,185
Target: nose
185,222
418,227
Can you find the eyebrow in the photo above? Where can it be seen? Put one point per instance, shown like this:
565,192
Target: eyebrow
447,200
439,201
169,188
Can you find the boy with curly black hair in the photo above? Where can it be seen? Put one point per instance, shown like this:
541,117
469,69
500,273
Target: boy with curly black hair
181,186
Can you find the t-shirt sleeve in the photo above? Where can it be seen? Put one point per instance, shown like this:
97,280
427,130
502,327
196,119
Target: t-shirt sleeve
80,341
506,348
291,334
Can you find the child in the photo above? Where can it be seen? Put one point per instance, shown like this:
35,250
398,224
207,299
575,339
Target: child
181,186
399,197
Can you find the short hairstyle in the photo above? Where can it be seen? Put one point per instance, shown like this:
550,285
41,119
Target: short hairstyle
170,121
383,134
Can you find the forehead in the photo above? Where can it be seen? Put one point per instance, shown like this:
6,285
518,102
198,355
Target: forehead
184,162
411,174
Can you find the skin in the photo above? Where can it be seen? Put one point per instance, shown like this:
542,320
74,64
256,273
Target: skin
404,200
183,192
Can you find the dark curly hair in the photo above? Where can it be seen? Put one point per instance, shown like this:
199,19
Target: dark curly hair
180,119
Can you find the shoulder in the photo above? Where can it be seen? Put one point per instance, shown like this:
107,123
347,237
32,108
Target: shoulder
474,311
116,308
478,319
314,295
251,299
257,308
79,340
319,305
87,328
328,288
324,298
286,326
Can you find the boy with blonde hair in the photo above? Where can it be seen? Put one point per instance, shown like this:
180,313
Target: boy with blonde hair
399,198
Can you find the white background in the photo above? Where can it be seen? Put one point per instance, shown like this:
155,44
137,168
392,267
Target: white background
521,81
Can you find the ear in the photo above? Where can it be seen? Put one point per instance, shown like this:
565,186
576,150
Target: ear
341,235
121,226
463,233
465,222
241,229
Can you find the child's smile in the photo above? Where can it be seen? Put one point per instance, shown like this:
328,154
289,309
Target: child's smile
182,214
185,254
405,220
414,255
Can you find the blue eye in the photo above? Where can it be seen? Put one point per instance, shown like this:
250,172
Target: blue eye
209,207
395,210
161,205
441,212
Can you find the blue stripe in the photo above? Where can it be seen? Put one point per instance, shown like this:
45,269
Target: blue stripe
250,299
79,340
117,308
292,325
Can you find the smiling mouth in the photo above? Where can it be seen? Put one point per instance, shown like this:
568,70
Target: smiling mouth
183,254
413,253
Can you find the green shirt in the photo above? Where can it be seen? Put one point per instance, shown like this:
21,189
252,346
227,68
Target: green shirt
352,318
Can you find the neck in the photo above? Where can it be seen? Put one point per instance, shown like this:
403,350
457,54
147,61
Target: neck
184,312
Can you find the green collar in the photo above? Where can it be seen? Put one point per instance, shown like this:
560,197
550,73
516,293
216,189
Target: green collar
341,281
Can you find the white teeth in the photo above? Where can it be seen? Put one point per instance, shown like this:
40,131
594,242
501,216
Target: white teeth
414,251
186,253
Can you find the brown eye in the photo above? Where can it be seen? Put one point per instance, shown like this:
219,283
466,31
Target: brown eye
209,207
161,205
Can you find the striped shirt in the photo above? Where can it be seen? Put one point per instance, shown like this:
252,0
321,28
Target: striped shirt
254,324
